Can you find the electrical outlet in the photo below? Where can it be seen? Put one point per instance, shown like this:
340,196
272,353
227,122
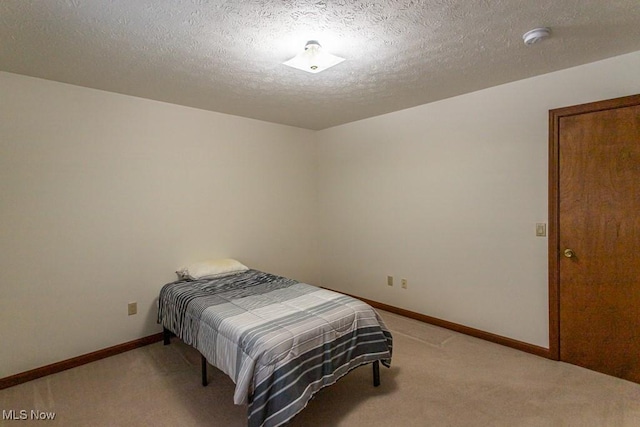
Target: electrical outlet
390,280
404,283
133,308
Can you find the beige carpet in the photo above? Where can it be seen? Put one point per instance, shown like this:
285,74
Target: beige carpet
438,378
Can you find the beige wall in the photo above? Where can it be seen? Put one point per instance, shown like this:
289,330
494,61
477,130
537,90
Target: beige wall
447,195
103,196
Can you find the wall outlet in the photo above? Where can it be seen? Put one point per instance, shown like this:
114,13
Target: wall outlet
404,283
133,308
390,280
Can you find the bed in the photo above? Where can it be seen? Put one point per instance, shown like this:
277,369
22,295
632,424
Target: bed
279,340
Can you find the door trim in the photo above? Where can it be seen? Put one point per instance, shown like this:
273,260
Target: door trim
554,212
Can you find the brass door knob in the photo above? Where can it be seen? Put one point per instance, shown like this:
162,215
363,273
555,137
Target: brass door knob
569,253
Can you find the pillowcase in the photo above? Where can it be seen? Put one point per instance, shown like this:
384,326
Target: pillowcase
211,269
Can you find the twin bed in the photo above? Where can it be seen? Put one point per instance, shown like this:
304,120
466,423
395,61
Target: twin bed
279,340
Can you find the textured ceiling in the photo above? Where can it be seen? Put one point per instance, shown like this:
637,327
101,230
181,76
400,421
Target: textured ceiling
227,56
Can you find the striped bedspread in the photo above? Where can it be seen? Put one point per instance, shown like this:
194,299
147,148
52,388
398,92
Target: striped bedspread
279,340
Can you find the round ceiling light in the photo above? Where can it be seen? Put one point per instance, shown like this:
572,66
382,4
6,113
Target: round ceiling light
536,35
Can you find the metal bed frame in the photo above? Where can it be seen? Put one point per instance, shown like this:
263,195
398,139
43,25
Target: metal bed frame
166,335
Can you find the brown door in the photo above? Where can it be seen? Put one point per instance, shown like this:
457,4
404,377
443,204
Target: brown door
597,236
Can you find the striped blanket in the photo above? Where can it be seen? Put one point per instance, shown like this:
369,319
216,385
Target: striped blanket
279,340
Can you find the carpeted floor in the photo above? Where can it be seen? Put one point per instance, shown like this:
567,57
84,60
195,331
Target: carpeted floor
438,378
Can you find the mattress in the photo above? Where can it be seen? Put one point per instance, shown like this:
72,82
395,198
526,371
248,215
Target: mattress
279,340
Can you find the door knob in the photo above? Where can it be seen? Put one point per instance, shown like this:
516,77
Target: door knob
569,253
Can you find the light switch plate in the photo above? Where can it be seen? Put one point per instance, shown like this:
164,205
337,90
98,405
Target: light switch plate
132,308
541,229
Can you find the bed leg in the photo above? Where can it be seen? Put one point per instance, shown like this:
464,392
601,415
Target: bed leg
166,336
376,373
204,371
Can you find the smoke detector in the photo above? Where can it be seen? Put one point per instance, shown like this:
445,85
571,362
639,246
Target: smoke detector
536,35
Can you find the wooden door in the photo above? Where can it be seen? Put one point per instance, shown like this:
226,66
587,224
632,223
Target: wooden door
595,250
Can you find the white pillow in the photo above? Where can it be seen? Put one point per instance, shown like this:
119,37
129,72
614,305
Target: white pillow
211,269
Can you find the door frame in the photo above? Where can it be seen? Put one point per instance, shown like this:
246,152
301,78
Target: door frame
554,204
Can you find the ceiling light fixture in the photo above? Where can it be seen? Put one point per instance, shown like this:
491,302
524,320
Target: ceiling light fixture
536,35
313,59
